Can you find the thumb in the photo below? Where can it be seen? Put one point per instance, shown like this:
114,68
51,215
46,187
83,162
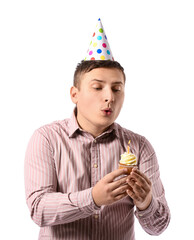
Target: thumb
116,173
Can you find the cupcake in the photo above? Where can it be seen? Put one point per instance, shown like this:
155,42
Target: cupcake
128,160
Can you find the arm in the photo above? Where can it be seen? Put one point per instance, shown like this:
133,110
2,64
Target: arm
147,192
47,206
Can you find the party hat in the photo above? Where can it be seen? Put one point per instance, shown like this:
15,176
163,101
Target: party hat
99,48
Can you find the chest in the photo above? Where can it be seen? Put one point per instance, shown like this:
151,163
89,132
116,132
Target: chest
81,164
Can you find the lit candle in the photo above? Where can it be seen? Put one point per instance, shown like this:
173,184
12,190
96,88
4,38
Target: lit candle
128,148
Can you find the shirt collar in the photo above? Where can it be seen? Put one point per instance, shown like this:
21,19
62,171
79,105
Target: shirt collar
75,129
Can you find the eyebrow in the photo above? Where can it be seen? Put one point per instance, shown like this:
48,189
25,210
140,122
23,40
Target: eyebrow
102,81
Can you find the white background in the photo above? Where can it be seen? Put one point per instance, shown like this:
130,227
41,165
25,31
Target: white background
41,43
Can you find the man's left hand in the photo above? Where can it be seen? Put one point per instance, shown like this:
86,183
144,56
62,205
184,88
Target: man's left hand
140,189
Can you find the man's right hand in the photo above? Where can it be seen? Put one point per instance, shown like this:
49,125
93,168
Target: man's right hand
108,190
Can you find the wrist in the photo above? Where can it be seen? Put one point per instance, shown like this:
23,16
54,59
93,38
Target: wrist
95,198
143,206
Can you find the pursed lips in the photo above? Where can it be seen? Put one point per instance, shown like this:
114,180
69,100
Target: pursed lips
107,111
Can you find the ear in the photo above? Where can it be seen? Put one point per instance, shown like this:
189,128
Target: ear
74,94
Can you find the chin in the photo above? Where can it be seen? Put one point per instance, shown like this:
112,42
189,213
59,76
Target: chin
105,124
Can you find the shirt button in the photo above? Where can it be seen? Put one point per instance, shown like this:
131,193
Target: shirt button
96,216
95,140
95,165
157,214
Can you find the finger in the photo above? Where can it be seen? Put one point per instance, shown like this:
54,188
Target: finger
136,188
135,170
111,176
141,178
133,195
120,190
118,197
118,183
141,182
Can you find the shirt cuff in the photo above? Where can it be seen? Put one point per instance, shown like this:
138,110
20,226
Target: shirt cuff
152,208
84,201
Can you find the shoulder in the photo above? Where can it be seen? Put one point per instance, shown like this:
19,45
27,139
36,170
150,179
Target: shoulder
55,128
139,144
138,141
49,137
128,134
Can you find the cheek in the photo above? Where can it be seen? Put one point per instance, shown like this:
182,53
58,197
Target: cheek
87,100
120,100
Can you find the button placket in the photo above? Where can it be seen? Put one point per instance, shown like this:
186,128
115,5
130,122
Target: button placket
95,165
95,162
96,216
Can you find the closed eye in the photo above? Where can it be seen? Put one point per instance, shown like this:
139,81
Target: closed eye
97,89
116,90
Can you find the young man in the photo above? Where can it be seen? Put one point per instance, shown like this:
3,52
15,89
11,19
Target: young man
74,189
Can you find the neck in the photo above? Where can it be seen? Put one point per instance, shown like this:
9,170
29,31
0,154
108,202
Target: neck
87,126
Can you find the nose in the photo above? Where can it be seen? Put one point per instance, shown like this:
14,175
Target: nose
109,96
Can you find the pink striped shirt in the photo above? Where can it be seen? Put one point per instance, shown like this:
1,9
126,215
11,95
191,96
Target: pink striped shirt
63,163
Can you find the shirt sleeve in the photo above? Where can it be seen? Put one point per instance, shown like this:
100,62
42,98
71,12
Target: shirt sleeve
156,217
47,206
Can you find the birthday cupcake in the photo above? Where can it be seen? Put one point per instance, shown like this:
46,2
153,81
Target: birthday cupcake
128,160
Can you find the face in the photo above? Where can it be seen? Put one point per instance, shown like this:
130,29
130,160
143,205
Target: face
99,99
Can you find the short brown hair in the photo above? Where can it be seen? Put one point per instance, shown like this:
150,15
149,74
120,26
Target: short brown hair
87,66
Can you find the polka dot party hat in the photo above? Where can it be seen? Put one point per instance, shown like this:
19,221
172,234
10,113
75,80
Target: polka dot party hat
99,48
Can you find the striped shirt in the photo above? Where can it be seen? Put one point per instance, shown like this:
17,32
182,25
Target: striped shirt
63,163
